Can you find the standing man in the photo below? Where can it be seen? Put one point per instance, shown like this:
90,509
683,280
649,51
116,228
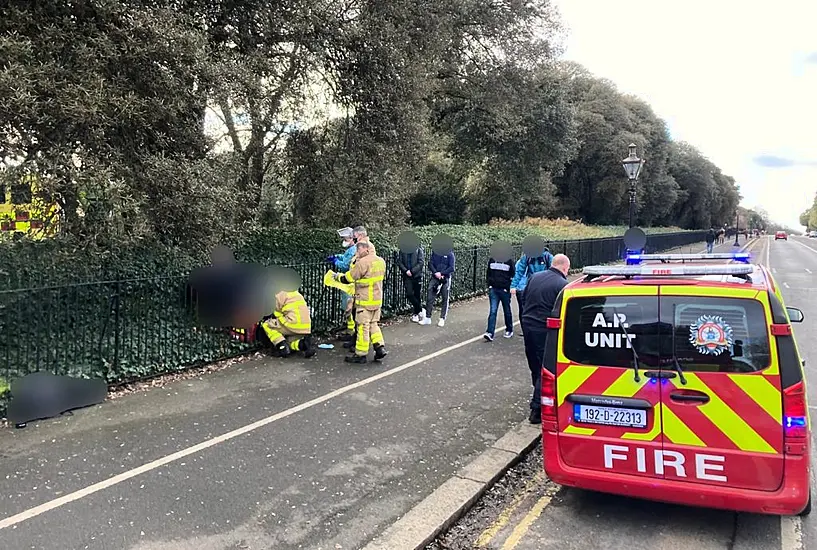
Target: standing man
499,276
710,240
342,263
411,269
442,269
540,296
367,273
525,268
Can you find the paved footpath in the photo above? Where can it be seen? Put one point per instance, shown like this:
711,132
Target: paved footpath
269,453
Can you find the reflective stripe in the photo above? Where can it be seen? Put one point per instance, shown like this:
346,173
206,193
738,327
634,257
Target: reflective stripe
726,420
678,432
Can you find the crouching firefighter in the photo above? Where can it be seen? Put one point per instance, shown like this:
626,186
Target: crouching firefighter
291,319
367,273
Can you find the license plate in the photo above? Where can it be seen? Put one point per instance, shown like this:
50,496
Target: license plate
610,416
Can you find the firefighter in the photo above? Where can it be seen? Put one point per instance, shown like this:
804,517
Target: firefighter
359,234
367,274
290,318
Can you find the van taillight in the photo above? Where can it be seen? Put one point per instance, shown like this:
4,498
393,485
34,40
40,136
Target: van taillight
548,396
795,415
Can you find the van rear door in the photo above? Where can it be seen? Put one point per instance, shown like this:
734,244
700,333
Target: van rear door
609,418
725,425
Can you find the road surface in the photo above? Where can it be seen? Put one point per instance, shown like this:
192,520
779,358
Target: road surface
531,513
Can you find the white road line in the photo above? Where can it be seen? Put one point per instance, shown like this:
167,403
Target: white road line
786,285
804,245
768,252
774,270
791,533
129,474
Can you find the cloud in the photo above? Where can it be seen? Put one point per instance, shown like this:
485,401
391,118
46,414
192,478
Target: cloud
812,58
770,161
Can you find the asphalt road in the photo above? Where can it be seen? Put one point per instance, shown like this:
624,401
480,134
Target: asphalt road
532,513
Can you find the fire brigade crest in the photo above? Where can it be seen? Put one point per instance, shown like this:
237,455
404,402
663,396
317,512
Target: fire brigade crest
710,335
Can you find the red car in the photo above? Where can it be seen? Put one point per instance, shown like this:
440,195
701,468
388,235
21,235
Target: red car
678,382
781,235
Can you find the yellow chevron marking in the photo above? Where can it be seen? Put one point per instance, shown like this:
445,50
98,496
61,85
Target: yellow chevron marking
762,392
677,432
571,379
653,433
625,386
573,429
726,420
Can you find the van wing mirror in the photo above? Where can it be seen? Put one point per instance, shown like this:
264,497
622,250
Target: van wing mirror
795,315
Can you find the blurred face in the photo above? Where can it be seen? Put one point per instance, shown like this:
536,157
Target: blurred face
362,252
347,243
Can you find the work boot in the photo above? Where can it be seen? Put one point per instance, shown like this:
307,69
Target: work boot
380,352
344,337
358,359
349,345
283,349
535,416
305,345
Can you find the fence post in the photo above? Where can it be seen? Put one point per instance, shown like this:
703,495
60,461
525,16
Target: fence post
116,322
474,284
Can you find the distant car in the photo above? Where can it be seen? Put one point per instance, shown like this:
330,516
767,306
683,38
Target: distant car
812,234
781,235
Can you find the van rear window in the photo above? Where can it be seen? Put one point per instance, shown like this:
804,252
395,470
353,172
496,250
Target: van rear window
594,330
706,334
716,334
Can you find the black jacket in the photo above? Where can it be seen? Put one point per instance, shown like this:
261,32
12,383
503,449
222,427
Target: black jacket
710,237
500,274
413,262
445,265
540,296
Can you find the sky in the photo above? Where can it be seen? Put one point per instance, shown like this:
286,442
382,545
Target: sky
738,80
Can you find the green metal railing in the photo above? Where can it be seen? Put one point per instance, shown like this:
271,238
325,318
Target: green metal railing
125,330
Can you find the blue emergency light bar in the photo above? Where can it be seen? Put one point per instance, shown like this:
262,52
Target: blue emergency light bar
667,270
743,257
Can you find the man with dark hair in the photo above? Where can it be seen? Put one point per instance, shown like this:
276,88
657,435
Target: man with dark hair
540,296
710,240
411,270
499,276
442,267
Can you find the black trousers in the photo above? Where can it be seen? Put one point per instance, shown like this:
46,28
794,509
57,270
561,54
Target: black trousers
535,340
413,293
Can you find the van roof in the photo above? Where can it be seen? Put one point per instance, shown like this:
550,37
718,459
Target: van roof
686,269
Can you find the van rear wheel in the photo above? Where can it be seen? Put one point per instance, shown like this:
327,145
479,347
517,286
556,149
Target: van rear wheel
807,510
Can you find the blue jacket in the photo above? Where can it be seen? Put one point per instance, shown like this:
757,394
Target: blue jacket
526,267
442,264
344,261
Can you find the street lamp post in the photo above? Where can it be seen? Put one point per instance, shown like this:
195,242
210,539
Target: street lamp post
632,166
737,225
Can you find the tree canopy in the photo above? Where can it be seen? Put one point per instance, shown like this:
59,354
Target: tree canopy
186,121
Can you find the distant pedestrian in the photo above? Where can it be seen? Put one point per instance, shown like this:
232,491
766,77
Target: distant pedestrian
710,240
499,276
721,236
411,269
540,297
442,267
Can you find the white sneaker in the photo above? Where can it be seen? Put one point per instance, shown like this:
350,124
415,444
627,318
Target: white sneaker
425,321
488,337
415,318
508,334
441,323
422,314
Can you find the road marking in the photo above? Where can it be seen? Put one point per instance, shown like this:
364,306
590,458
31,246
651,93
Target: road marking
791,533
786,285
129,474
520,530
488,534
804,246
774,270
807,269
